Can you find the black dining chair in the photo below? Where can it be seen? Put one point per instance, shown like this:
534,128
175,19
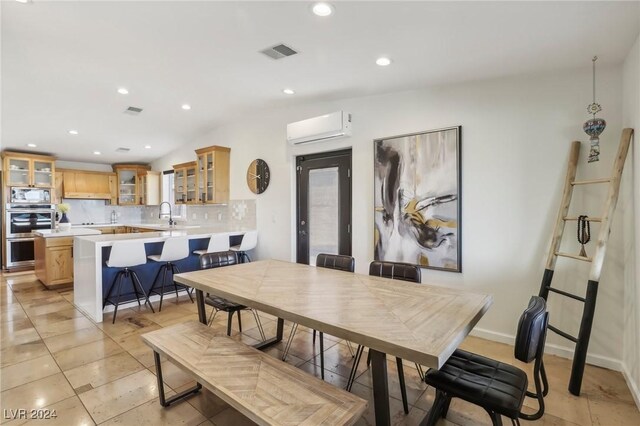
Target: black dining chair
217,260
330,261
395,271
497,387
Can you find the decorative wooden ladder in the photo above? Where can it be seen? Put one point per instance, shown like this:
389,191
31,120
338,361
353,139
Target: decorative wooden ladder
582,341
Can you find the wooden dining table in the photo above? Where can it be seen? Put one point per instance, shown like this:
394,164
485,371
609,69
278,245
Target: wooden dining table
422,323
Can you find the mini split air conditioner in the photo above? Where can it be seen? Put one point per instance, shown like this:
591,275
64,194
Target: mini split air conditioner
325,127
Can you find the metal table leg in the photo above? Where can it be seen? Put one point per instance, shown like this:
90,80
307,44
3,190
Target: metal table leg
273,340
202,312
380,387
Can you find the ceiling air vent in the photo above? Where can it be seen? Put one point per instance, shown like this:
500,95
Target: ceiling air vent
278,52
123,150
133,110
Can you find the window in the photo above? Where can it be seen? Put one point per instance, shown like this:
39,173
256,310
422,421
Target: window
168,190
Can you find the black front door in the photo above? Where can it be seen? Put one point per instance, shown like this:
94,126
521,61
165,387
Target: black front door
323,205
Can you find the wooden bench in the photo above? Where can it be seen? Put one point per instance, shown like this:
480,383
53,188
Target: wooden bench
263,388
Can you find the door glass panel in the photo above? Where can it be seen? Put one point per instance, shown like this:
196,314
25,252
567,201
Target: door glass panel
127,186
18,172
210,179
323,212
192,193
202,159
181,195
42,173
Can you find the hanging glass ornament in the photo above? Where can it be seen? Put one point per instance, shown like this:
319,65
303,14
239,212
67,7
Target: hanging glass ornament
594,126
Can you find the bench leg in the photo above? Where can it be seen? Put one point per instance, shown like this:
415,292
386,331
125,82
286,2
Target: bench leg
274,340
163,400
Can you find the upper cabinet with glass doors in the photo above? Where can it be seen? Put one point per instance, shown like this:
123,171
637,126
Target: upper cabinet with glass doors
128,183
185,181
213,174
29,170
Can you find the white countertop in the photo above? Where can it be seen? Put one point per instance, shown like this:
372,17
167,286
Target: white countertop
73,232
158,226
104,240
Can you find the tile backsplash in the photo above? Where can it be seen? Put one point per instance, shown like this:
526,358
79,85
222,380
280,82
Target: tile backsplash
235,214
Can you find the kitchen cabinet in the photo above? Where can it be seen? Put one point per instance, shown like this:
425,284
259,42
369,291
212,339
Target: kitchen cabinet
186,183
54,261
86,185
28,170
128,183
149,188
213,174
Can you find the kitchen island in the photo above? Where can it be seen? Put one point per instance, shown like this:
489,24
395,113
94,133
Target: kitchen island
53,255
93,278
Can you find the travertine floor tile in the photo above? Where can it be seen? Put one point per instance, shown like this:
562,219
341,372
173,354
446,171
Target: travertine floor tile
12,312
27,371
606,413
72,339
230,416
37,394
65,326
64,413
84,354
102,371
115,398
53,317
152,414
19,353
20,337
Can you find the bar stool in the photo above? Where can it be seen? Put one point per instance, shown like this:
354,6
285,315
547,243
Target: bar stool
217,243
173,249
249,242
126,254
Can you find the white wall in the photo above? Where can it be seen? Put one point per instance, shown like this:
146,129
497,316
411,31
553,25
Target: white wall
631,118
75,165
515,139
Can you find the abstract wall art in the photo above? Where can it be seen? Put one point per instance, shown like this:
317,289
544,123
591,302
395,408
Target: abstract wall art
417,199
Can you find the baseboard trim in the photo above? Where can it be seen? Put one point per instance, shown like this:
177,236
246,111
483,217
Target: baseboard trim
633,386
553,349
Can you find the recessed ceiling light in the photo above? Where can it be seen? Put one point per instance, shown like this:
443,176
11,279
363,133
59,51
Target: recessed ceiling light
23,1
96,153
123,91
73,132
383,62
32,145
288,91
186,107
322,9
147,146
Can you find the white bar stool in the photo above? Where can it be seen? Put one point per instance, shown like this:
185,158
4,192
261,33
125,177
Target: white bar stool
173,249
126,254
249,242
217,243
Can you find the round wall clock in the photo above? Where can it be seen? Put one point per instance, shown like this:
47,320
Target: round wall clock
258,176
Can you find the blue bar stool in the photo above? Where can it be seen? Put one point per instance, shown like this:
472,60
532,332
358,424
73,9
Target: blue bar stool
126,254
173,249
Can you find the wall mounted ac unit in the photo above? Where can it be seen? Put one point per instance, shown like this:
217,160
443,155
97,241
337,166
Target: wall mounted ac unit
322,128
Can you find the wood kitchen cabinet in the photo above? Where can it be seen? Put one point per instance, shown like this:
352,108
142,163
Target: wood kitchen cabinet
28,170
128,183
213,174
186,183
54,261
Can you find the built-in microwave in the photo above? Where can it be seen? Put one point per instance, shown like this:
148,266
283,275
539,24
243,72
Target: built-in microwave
30,195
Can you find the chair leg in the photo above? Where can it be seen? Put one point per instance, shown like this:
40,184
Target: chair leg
164,280
321,354
445,407
115,311
111,289
496,419
420,371
259,324
354,367
353,354
229,320
436,409
175,270
239,321
214,311
289,341
129,274
137,283
403,388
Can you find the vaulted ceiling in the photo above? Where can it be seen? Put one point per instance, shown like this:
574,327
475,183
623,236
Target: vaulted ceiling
62,62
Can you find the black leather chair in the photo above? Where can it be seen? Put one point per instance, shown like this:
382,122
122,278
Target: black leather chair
217,260
395,271
330,261
497,387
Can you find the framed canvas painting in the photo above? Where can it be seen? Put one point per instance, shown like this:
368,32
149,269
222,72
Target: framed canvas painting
417,199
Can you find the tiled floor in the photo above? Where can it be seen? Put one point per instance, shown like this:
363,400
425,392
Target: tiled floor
54,358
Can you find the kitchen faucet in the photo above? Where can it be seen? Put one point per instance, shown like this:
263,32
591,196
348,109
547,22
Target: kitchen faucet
171,221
